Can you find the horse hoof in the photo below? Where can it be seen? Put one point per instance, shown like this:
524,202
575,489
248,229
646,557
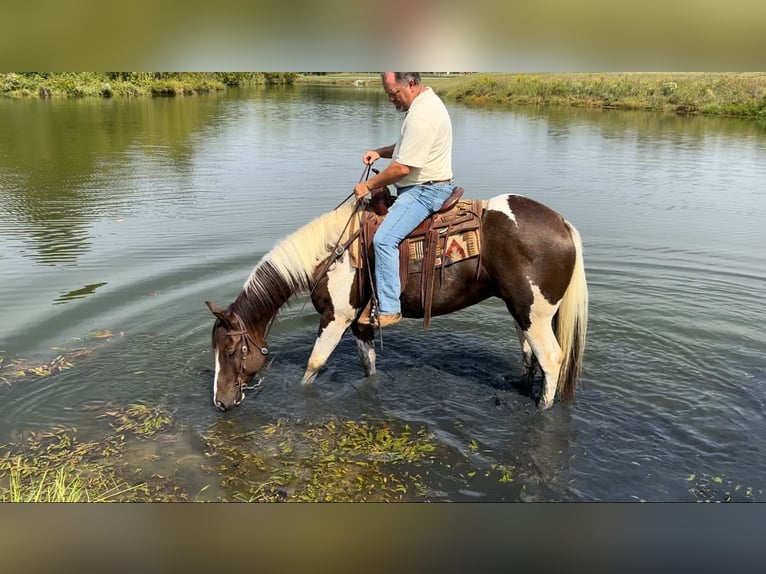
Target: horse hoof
544,405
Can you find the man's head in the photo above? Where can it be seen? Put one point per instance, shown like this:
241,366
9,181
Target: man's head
402,88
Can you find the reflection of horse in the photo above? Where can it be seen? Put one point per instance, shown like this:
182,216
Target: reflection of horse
531,259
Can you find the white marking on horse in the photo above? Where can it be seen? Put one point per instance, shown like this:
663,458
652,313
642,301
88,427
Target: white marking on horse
543,341
215,378
500,203
367,355
340,279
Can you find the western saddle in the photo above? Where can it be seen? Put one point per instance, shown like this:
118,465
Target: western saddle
450,235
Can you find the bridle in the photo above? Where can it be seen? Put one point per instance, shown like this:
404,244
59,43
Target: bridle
247,342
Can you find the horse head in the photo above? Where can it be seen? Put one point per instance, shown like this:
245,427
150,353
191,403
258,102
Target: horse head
239,354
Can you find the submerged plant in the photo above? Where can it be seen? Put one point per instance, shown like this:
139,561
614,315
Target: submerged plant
140,419
708,488
334,461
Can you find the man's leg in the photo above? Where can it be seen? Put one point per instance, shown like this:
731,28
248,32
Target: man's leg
403,216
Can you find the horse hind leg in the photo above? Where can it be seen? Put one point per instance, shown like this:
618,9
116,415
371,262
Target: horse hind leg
528,358
541,339
546,348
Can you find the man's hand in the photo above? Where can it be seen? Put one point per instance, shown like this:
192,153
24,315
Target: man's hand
370,157
360,190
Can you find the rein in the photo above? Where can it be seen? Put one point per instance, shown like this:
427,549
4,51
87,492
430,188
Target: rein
339,249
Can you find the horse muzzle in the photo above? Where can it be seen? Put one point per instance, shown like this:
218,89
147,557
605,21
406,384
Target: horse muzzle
224,404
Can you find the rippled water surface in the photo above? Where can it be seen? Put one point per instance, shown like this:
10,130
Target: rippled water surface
121,218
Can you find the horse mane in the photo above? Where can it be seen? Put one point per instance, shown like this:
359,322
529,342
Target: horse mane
287,269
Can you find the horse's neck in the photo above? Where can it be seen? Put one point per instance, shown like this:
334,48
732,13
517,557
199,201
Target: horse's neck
263,295
287,269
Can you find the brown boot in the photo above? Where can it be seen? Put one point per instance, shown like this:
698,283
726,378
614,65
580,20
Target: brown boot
388,320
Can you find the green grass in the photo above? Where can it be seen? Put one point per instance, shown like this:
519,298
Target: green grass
64,484
729,94
130,84
55,467
719,94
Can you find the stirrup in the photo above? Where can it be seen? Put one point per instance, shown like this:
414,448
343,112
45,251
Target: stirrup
365,317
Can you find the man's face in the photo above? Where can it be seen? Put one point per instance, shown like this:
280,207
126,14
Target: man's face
401,95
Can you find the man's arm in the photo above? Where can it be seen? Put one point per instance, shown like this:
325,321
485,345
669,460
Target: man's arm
393,172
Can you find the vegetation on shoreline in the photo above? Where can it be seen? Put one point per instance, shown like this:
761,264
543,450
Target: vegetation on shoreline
720,94
130,84
340,461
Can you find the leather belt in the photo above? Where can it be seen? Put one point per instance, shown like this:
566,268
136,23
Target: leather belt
433,181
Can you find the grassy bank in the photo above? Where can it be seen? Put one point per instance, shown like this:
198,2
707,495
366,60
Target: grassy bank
723,94
130,84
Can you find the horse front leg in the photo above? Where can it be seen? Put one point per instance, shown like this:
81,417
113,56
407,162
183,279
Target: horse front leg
331,329
365,345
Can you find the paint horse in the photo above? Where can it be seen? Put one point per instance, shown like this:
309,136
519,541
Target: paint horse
531,259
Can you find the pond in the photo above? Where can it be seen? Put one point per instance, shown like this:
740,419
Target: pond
121,217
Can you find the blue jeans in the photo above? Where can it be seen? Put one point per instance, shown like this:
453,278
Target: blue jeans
413,205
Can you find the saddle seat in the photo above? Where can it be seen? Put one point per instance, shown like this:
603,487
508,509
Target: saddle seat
448,204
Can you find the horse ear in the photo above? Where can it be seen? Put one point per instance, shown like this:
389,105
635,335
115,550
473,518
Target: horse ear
214,309
220,313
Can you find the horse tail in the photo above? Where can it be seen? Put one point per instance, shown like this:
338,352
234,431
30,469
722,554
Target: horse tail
572,322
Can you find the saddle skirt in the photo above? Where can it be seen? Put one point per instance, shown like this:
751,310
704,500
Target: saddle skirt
447,237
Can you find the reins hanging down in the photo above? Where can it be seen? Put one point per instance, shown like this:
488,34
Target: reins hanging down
339,249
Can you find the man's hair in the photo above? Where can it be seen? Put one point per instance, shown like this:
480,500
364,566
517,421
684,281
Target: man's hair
404,77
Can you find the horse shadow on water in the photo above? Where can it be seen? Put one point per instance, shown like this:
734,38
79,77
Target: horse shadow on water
410,363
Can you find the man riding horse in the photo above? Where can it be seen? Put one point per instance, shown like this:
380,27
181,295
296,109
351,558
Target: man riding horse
421,170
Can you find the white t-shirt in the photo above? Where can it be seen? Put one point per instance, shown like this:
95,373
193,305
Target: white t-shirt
425,144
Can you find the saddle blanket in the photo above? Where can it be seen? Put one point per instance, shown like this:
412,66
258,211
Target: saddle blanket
459,246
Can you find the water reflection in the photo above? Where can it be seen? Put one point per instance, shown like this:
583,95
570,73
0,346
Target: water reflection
619,123
62,162
163,204
78,293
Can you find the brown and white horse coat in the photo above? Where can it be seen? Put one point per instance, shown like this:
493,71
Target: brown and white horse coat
531,259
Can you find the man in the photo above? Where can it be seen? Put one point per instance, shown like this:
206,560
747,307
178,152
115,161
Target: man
421,170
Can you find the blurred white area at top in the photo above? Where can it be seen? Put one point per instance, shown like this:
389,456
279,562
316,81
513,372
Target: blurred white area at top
347,35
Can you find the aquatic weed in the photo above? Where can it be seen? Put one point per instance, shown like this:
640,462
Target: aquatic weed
333,461
713,488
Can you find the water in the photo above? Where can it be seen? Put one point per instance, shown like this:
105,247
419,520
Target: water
125,216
